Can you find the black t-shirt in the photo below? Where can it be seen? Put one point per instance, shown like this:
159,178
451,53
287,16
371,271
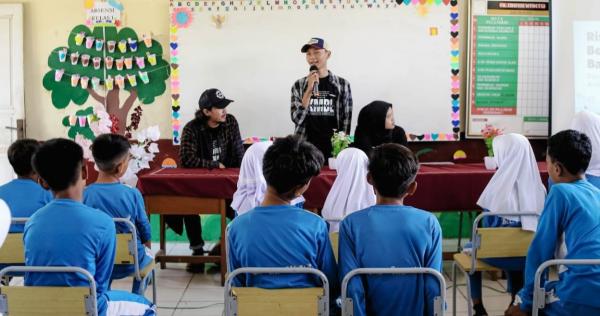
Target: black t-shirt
321,119
216,146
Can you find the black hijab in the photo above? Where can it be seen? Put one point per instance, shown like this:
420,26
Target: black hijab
370,130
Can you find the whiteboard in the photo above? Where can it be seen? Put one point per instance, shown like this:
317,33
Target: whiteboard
509,67
404,54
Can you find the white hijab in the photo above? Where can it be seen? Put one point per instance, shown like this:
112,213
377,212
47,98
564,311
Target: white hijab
251,186
4,221
589,124
350,192
516,186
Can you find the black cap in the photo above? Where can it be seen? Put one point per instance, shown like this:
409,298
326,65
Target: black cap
213,98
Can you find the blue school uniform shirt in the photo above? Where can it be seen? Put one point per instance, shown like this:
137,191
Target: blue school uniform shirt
121,201
23,197
594,180
384,236
68,233
281,236
572,209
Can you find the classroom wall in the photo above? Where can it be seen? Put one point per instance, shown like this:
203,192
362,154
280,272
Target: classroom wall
47,24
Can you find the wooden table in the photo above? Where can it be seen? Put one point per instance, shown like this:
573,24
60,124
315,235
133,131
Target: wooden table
441,187
184,205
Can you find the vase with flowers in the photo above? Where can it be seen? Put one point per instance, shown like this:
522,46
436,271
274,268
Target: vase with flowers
489,132
339,142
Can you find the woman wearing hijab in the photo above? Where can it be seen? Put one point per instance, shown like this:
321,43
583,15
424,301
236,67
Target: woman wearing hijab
516,187
589,124
251,186
350,192
376,126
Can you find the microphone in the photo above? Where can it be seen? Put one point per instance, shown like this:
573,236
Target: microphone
316,84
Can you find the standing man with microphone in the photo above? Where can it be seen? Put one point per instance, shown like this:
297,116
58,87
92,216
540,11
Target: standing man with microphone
321,101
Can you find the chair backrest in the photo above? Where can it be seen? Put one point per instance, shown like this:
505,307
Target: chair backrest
266,302
127,252
539,292
439,301
500,242
48,300
13,249
290,302
335,238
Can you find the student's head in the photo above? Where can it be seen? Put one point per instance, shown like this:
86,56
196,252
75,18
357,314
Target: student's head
20,154
59,162
289,164
568,156
111,154
317,52
377,116
393,170
212,105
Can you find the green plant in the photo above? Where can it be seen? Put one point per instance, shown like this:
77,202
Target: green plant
339,142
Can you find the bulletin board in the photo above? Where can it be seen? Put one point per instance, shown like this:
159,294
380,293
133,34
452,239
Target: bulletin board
509,67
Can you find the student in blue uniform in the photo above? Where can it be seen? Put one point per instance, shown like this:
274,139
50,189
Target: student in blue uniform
23,195
277,234
569,228
111,154
390,234
516,187
68,233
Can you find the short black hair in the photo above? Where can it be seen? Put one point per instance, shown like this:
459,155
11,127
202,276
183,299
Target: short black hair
108,150
572,149
58,162
19,155
392,167
291,162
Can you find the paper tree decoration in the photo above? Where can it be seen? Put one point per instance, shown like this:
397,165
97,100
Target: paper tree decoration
73,78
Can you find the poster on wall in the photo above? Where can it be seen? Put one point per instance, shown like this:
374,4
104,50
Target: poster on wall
509,68
403,52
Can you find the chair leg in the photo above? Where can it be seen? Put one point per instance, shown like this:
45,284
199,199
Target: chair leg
469,300
154,287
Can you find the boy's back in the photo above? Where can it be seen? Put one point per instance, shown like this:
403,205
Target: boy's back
119,201
24,197
280,236
384,236
68,233
572,212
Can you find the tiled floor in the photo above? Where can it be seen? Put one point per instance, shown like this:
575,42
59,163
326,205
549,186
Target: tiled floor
181,293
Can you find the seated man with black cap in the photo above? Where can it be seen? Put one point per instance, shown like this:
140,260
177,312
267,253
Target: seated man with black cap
211,140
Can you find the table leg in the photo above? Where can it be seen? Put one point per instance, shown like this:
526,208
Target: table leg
163,240
223,208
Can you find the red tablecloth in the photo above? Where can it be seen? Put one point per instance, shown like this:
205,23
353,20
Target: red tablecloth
439,187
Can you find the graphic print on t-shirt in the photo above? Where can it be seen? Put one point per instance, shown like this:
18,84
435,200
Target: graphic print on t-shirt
216,150
322,105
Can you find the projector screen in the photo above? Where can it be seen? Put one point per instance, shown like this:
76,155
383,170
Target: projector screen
575,60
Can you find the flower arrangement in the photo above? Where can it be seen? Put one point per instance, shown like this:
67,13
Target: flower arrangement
142,151
489,132
339,142
144,145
